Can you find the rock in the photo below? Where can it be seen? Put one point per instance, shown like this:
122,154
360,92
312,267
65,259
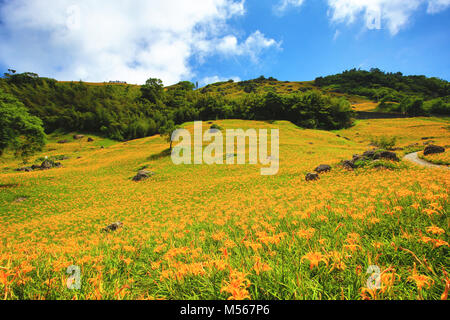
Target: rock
433,149
35,167
388,155
427,138
113,227
63,141
347,164
348,139
312,176
47,164
21,199
143,175
90,140
78,137
24,169
323,168
356,157
369,154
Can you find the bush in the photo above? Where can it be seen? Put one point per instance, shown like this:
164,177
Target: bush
384,142
216,127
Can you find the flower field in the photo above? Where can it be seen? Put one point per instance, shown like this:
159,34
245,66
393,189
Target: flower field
224,231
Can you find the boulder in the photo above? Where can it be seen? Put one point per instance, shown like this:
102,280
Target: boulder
90,140
78,137
433,149
388,155
369,154
143,175
113,227
312,176
347,164
323,168
47,164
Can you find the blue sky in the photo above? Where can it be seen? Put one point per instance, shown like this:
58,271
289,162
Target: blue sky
212,40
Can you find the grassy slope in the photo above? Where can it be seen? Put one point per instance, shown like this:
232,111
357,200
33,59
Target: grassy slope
233,89
190,230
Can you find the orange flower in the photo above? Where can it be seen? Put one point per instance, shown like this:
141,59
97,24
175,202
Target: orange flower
435,230
315,258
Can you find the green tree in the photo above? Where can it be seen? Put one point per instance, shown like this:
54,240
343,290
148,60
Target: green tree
167,130
19,131
153,90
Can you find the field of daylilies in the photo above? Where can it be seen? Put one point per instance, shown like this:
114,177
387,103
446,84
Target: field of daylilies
225,231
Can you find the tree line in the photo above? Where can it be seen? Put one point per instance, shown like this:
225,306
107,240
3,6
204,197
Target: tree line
395,92
125,112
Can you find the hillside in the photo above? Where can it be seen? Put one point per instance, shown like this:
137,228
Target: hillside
189,231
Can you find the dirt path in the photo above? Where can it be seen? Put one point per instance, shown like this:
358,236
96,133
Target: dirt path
413,157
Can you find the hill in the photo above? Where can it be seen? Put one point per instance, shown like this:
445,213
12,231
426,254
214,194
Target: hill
190,231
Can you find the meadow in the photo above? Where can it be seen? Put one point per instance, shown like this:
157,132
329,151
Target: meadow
224,231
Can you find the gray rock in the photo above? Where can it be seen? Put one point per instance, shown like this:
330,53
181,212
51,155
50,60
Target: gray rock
347,164
388,155
312,176
369,154
433,149
323,168
113,227
78,137
143,175
47,164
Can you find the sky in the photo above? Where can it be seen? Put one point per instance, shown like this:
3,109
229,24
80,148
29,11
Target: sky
206,41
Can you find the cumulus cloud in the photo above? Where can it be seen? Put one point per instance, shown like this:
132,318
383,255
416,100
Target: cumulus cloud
283,5
229,45
208,80
120,40
393,14
435,6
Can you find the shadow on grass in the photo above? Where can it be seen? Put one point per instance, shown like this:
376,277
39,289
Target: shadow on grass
9,185
164,154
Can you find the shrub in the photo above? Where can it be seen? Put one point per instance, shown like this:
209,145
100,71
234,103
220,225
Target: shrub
384,142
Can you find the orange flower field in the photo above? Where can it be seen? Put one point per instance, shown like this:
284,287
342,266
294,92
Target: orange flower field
226,231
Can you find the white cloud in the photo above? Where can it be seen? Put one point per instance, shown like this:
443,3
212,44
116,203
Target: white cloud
393,14
105,40
283,5
336,35
208,80
435,6
230,46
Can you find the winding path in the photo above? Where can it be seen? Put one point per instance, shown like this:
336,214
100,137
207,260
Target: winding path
413,157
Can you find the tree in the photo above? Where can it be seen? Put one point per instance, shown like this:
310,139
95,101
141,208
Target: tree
167,130
415,108
153,90
19,131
